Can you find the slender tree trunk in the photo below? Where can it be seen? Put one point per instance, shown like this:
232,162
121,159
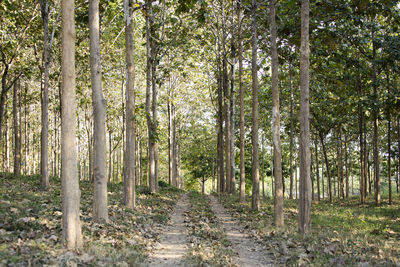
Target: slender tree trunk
322,180
340,165
291,130
44,168
170,153
398,153
262,167
149,107
129,157
375,118
389,144
361,136
225,85
232,188
329,189
305,179
71,226
100,210
255,204
17,137
317,169
346,164
220,141
278,201
241,104
110,157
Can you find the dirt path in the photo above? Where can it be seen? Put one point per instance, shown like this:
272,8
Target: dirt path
173,243
250,252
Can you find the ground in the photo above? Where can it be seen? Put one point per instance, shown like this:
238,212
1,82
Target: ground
177,228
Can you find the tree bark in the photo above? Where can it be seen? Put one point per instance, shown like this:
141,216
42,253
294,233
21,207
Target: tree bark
328,174
305,179
225,85
278,201
17,137
232,188
389,144
376,122
241,104
100,210
361,135
291,130
71,226
44,168
317,169
255,204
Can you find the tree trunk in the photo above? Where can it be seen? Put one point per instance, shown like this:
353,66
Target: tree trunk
17,137
110,157
346,165
389,144
149,106
241,104
340,165
225,84
276,138
255,204
317,169
44,168
398,153
361,136
375,118
100,211
220,141
71,226
129,155
262,167
232,188
328,174
291,130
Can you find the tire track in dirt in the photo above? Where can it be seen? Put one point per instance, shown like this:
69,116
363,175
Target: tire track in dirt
250,252
173,244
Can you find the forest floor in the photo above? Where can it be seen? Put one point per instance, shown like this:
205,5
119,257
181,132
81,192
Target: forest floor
176,228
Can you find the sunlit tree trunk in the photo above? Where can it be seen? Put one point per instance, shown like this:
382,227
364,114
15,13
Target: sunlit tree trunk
44,169
305,179
276,137
291,130
241,104
232,188
100,211
375,115
389,144
17,137
71,226
317,169
129,153
255,204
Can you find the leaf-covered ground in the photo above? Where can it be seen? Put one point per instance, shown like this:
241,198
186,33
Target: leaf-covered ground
209,245
30,225
344,233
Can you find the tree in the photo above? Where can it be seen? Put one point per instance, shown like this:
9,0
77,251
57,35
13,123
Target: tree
17,136
241,106
129,155
255,204
71,226
305,154
44,168
278,203
100,212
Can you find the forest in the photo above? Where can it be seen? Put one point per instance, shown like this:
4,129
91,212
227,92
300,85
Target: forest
199,133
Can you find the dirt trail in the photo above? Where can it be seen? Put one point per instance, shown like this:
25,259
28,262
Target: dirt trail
250,252
173,244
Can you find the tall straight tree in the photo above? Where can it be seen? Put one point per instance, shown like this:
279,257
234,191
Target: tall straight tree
375,115
255,204
291,129
232,189
129,155
100,213
17,136
305,154
71,226
241,104
276,138
44,168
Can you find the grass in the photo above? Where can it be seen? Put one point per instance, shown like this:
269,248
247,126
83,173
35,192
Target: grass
343,233
30,224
